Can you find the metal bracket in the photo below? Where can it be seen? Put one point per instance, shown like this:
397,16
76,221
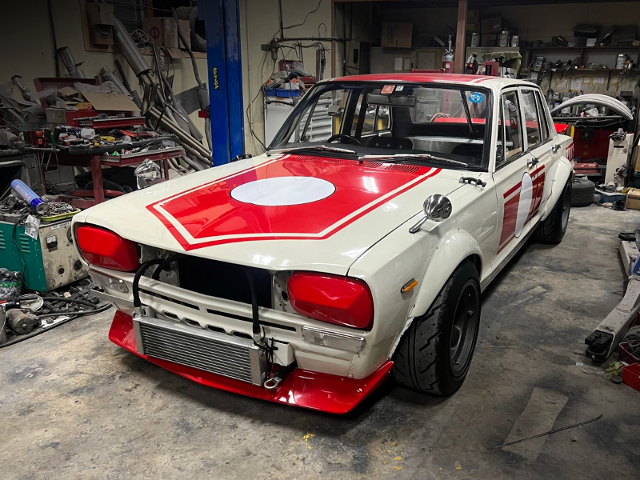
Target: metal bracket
532,162
555,148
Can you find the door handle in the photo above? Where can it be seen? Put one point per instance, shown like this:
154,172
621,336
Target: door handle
532,162
555,148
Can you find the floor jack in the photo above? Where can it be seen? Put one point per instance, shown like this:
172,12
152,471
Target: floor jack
605,338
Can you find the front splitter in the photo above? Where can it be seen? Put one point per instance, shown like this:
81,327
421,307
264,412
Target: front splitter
301,388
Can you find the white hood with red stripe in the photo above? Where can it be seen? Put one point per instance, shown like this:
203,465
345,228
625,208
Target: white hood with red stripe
284,212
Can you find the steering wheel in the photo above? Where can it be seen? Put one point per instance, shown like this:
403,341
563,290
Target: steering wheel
343,136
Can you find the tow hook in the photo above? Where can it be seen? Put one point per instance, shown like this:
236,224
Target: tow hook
273,382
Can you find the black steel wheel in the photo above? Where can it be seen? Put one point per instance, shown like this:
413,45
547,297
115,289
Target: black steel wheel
552,229
434,354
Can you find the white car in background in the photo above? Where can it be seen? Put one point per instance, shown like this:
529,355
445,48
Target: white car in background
356,247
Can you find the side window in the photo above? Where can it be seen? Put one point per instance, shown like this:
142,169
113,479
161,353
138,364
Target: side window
509,130
544,126
531,118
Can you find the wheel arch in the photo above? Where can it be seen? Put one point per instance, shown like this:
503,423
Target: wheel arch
561,173
454,248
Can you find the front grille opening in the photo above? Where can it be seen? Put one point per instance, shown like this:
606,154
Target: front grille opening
242,335
224,280
170,315
193,323
213,328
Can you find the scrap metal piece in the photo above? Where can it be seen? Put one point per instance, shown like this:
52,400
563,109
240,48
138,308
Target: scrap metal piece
609,333
72,67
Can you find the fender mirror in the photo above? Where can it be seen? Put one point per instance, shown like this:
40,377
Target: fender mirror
436,207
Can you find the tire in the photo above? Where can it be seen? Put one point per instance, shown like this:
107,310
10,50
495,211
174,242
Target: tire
425,359
583,191
552,229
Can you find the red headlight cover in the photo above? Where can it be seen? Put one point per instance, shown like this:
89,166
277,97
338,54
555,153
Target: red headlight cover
332,299
104,248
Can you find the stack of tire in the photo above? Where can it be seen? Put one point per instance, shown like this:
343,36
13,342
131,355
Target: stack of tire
582,193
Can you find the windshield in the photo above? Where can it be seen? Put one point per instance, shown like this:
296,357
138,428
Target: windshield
421,124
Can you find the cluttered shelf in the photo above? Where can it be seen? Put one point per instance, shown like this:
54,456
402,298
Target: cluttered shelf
605,48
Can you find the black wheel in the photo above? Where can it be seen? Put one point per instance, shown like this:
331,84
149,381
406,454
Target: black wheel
435,353
583,191
553,228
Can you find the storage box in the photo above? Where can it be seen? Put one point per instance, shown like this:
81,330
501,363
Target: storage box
491,25
633,198
489,40
100,14
101,34
396,35
631,375
473,21
164,31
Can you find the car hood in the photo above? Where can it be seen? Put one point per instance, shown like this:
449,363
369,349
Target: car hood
280,212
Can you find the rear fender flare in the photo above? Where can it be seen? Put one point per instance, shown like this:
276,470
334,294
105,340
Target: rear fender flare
561,174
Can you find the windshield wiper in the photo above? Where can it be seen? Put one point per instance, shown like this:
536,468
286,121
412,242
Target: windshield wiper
425,156
321,148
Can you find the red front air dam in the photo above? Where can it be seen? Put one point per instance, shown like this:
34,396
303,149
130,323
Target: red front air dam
301,388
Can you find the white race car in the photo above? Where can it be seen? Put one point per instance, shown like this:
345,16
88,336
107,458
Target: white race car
356,247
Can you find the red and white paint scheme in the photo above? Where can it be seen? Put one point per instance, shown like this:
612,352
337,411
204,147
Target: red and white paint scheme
289,197
340,227
521,204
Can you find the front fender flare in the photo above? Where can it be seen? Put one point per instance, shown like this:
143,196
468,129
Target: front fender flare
561,174
454,247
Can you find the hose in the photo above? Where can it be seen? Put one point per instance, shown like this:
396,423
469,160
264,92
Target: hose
136,279
22,338
167,262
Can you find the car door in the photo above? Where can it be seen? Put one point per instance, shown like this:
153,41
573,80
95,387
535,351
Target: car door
510,172
539,142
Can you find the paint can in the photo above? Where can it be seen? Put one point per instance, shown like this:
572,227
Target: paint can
475,39
515,41
621,60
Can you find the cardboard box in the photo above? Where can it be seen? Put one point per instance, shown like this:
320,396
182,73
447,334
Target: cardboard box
473,21
164,32
100,14
101,35
633,198
110,102
397,35
489,40
491,25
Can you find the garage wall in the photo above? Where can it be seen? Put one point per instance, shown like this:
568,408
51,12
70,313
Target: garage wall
27,47
259,24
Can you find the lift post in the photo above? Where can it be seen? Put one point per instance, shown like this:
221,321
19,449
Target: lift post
225,78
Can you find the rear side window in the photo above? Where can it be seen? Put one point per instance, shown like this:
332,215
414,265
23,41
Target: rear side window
544,126
531,118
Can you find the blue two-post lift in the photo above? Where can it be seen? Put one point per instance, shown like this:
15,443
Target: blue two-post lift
224,63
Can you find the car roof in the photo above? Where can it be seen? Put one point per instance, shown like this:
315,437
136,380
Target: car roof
439,78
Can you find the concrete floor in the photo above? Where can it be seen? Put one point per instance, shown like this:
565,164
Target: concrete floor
73,405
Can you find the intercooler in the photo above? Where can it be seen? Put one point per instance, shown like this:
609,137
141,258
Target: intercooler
226,355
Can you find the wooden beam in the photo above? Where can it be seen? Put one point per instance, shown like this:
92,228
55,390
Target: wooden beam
461,39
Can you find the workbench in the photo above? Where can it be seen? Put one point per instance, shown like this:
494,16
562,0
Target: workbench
97,157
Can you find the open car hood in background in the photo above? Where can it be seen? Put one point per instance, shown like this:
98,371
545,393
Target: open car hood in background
599,100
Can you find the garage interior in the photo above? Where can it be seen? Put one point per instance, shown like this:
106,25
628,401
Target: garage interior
104,98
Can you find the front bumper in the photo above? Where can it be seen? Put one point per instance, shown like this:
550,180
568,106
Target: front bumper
301,388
